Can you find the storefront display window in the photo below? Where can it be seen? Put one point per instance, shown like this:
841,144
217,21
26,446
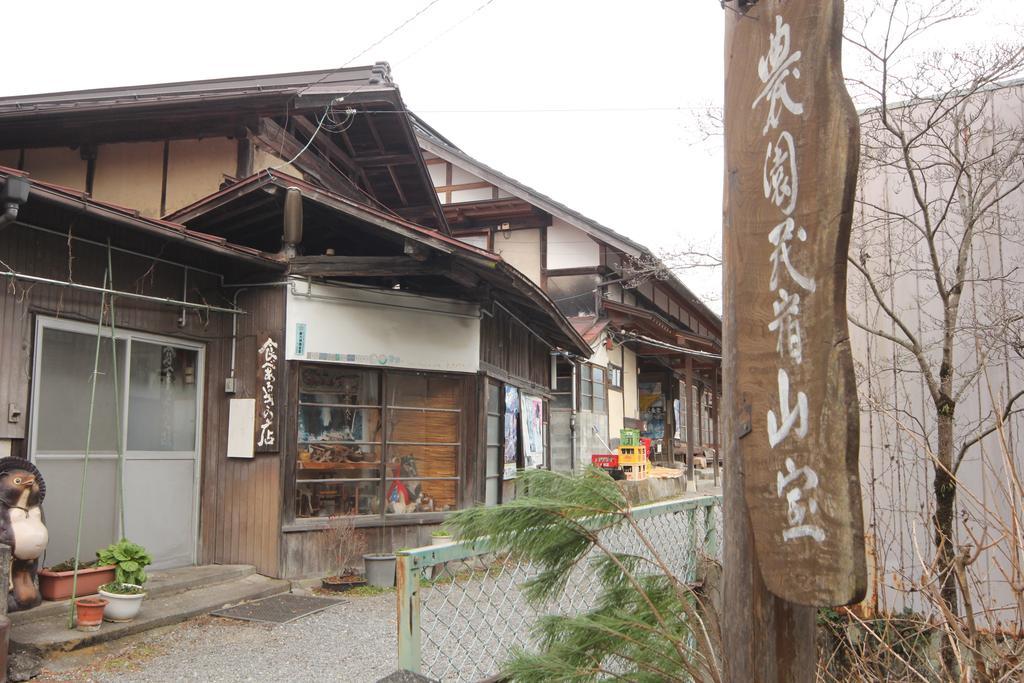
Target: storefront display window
373,442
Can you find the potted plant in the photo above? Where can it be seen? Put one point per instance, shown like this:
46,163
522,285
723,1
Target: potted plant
55,582
125,593
124,600
89,612
440,537
342,544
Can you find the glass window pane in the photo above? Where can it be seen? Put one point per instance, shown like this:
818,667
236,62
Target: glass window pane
410,462
65,385
337,461
598,375
493,431
493,461
328,499
562,401
585,372
335,385
423,426
491,491
493,398
162,398
599,404
326,424
586,403
423,391
563,384
405,496
586,388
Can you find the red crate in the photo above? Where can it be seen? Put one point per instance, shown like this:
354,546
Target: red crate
609,461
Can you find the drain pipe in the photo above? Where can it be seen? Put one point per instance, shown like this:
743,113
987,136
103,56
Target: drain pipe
14,194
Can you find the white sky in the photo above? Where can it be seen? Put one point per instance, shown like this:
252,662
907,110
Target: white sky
646,172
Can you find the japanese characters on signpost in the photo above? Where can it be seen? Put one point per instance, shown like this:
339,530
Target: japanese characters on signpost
791,161
267,396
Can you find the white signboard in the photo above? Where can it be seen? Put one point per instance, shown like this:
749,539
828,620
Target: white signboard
381,328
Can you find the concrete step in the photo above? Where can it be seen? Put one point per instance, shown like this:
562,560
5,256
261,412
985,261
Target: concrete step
46,636
161,582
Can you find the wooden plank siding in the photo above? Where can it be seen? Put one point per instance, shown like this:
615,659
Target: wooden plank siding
241,499
506,345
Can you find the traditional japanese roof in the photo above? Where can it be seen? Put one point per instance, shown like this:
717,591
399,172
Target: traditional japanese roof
590,327
365,240
437,144
375,149
160,234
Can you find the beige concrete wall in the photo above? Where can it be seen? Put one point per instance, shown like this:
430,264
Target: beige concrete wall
196,168
898,417
630,390
615,398
130,174
570,247
521,249
58,165
262,159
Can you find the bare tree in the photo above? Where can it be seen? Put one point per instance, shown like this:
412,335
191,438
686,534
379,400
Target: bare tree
939,206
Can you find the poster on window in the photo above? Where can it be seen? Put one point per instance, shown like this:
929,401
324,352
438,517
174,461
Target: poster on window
511,430
532,422
652,410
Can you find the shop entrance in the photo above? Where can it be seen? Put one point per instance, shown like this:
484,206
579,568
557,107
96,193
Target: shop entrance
158,384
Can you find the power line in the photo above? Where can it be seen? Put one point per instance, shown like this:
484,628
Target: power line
375,43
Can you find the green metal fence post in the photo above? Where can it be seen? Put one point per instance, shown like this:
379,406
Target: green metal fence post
410,652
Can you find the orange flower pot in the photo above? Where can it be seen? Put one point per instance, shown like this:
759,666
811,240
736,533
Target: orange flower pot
90,613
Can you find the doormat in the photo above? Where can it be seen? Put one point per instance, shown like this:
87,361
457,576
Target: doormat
279,609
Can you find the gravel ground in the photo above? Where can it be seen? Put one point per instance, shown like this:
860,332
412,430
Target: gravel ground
353,642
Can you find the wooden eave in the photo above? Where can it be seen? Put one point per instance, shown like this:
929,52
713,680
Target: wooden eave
387,251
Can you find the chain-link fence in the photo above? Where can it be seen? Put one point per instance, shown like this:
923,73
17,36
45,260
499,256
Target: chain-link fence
460,609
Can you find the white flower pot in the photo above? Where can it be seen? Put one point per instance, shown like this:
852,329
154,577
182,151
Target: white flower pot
121,607
441,540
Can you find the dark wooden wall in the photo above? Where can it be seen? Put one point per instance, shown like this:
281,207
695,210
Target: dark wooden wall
506,345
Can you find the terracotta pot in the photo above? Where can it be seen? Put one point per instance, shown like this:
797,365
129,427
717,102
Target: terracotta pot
57,585
90,613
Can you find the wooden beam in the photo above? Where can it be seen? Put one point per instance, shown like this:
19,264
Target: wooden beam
376,135
385,159
358,266
276,140
326,144
398,186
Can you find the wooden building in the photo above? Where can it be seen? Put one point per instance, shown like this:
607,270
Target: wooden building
655,359
315,344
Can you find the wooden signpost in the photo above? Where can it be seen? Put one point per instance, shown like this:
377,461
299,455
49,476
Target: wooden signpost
794,528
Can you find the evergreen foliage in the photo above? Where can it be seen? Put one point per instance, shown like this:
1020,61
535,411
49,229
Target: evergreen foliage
646,624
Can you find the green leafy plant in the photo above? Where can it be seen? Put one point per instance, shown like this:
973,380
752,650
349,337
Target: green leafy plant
440,533
130,558
122,588
647,624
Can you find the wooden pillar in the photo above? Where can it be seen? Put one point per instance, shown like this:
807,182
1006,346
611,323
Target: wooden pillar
715,443
764,638
689,418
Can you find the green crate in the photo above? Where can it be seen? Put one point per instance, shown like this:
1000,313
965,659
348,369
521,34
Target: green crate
629,437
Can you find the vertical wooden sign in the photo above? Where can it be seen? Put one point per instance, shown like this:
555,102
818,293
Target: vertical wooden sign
267,394
791,162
